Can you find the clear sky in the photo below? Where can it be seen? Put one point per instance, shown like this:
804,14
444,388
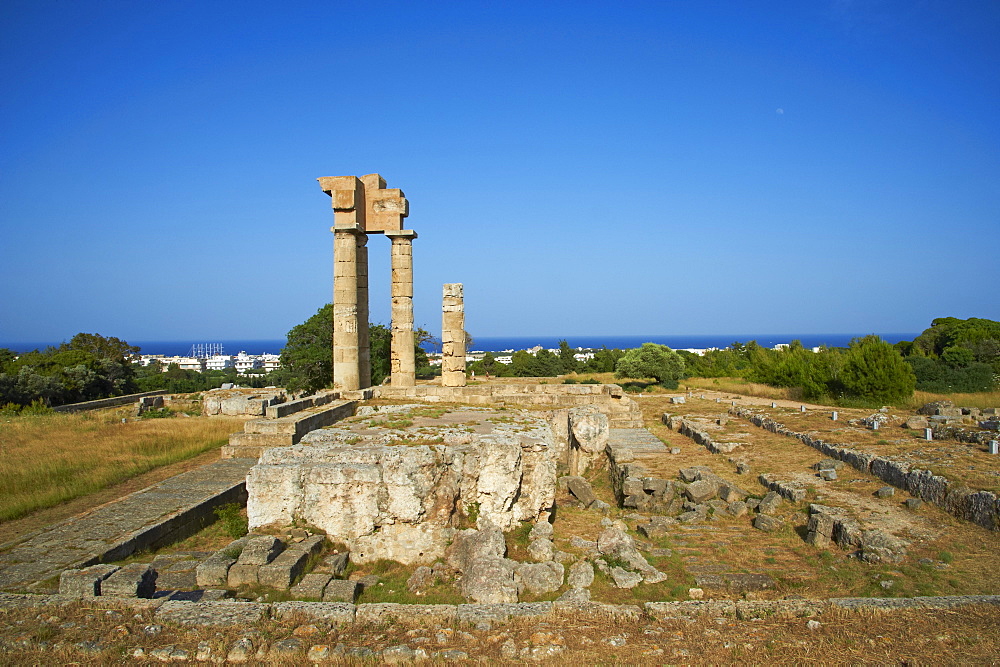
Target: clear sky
583,167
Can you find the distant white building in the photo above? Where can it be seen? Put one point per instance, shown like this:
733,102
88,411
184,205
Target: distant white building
270,362
185,363
219,362
245,362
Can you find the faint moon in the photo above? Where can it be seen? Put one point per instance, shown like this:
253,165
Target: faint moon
779,111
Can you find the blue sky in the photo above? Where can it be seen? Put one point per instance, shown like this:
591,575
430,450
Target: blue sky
583,167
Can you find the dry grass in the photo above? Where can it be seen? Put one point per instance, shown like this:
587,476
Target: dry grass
46,460
101,632
982,399
741,386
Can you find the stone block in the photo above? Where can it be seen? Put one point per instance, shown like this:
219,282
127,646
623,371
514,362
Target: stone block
885,492
337,563
311,586
769,503
539,578
341,590
136,580
86,582
700,491
581,490
214,572
766,523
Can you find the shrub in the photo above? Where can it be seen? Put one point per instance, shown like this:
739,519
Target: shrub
231,516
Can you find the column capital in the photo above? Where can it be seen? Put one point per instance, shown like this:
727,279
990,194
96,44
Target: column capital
401,234
352,228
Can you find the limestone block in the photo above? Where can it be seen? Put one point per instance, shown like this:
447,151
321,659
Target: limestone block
700,491
341,590
581,490
624,578
136,580
312,586
539,578
490,581
214,572
540,550
581,574
86,582
769,503
289,564
258,551
767,523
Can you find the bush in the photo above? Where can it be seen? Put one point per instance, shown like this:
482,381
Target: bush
231,516
874,370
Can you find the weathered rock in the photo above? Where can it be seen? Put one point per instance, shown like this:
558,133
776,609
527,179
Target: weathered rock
581,490
581,575
769,503
421,579
767,523
469,546
539,578
914,503
489,581
541,529
575,595
700,491
738,508
540,550
917,422
624,578
337,563
885,492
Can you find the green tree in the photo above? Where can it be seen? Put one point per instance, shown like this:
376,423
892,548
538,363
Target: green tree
567,358
651,361
307,358
874,371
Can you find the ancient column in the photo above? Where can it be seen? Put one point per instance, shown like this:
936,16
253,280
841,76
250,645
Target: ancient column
364,348
350,309
453,336
346,323
403,362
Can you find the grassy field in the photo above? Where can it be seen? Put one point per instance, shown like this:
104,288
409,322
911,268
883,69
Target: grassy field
48,459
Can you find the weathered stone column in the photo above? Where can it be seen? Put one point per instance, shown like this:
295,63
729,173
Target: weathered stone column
346,342
364,347
403,362
453,336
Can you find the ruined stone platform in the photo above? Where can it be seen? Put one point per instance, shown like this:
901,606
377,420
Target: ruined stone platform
158,514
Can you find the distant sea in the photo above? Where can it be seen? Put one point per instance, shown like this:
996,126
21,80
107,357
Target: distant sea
501,343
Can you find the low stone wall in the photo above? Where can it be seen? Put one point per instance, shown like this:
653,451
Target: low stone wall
231,613
979,507
107,402
291,407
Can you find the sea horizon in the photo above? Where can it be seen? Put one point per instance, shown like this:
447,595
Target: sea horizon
504,343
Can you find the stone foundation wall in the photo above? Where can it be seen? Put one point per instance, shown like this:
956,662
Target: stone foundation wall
402,502
979,507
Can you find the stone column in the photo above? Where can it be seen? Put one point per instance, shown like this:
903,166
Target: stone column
346,343
403,362
364,348
453,336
